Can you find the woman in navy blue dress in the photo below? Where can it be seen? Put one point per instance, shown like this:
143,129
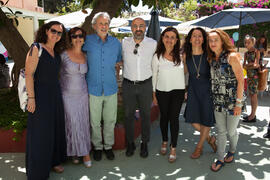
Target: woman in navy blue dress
46,143
199,108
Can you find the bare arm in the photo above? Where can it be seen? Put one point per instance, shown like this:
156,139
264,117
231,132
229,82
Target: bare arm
234,61
255,64
30,68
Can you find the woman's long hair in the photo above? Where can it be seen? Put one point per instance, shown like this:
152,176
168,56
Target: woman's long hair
188,45
176,49
227,44
41,36
264,44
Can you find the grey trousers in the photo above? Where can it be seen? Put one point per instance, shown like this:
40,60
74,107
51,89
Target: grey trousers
141,95
226,125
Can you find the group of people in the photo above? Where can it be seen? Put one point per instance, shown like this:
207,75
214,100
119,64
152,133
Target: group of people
72,86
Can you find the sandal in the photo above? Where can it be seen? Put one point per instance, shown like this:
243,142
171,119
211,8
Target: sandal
197,153
212,143
58,169
163,149
229,155
172,156
218,162
75,160
87,161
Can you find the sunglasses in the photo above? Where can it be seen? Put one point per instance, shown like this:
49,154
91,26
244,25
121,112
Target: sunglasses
135,51
74,36
53,31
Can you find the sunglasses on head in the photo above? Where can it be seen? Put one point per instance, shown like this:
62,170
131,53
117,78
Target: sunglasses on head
53,31
135,51
74,36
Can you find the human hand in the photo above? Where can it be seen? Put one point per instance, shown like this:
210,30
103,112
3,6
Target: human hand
155,102
237,111
31,105
186,94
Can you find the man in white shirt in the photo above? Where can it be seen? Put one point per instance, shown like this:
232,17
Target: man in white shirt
137,53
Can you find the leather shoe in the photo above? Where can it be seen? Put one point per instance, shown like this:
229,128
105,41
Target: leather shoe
130,149
97,155
267,135
109,154
250,121
144,150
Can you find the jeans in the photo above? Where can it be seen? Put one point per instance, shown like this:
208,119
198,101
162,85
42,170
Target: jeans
226,125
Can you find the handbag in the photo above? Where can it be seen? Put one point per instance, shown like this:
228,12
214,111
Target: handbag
22,93
263,74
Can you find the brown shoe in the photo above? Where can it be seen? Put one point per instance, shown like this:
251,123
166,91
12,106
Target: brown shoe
212,143
197,153
58,169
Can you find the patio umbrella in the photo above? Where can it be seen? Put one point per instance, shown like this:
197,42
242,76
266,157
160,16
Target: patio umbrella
185,27
236,16
153,30
77,19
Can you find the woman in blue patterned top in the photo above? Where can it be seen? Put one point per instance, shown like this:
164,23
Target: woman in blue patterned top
227,88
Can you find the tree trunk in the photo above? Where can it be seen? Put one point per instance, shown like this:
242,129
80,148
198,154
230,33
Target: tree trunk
15,45
109,6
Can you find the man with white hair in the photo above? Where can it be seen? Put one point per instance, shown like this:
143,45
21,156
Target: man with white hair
137,88
103,53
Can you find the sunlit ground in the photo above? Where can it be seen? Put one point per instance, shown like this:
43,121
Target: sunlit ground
252,161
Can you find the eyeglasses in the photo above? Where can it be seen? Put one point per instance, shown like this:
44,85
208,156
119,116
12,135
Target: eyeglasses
135,51
53,31
75,36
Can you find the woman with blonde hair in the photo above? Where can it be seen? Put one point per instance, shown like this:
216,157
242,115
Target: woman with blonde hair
227,88
251,64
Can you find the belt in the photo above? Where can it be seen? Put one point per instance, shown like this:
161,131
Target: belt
137,82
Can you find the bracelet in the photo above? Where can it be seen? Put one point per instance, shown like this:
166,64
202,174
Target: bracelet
238,105
239,100
31,97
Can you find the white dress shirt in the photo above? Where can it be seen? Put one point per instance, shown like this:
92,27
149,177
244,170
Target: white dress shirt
166,76
137,67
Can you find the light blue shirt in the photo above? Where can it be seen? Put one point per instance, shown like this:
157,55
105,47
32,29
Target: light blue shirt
101,59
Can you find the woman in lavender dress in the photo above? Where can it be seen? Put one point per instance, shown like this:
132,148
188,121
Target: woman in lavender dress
75,97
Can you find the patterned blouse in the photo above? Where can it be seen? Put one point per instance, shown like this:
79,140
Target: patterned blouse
224,84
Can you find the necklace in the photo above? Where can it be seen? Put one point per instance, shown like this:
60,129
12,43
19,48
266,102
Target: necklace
197,67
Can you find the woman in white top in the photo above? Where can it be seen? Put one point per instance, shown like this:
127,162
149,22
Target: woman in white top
168,87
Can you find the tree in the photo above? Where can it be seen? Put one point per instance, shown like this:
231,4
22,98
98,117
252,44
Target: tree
184,12
17,47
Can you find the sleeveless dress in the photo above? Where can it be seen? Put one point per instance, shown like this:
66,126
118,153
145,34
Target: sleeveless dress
199,107
252,74
46,139
75,98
